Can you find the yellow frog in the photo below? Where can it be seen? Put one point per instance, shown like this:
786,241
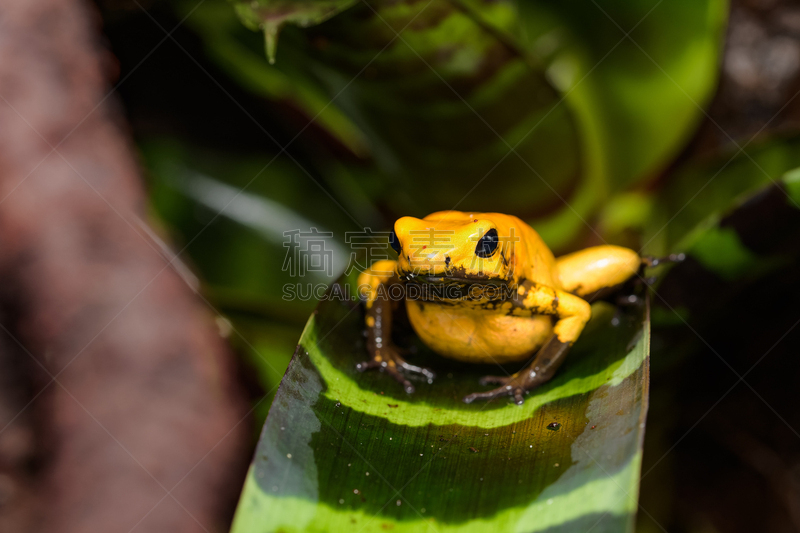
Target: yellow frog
484,287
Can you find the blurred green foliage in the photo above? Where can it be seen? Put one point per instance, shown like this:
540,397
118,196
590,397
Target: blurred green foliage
568,114
434,95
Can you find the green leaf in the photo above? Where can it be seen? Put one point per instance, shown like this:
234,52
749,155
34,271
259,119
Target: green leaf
240,206
753,236
636,73
792,182
271,15
240,54
593,97
720,250
437,106
701,192
343,450
737,215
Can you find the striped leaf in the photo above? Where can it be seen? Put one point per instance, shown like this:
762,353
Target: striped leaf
342,450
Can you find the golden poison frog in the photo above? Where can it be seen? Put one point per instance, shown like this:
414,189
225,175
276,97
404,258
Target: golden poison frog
484,287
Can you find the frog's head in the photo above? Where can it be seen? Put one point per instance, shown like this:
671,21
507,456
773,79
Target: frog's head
462,250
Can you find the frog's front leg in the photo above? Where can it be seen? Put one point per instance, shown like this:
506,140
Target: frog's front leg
572,314
375,287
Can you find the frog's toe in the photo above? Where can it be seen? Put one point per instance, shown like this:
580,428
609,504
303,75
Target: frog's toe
428,373
505,390
390,369
367,365
401,379
393,364
494,380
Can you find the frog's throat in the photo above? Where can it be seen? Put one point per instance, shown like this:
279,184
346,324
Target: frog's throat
453,278
457,288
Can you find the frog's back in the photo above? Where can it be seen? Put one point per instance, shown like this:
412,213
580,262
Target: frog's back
531,257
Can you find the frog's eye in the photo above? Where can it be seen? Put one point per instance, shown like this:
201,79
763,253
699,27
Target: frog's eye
394,242
488,244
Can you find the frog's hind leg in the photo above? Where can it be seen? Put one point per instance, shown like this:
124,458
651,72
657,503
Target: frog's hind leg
571,314
597,271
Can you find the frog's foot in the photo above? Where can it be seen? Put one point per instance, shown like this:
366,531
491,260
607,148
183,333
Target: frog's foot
389,360
544,365
515,385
